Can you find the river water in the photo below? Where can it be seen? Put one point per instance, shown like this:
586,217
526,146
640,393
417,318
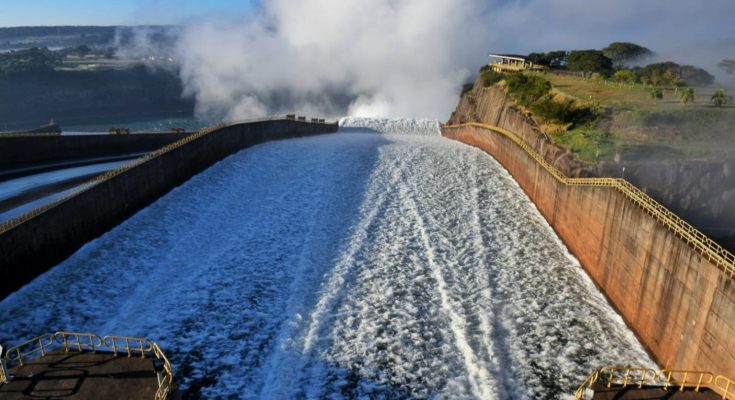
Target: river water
380,262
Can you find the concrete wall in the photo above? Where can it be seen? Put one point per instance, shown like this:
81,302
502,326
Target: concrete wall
29,150
679,304
33,245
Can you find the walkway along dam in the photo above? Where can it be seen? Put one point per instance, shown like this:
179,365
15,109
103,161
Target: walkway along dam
380,261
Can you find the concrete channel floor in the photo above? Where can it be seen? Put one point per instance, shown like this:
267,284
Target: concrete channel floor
100,375
650,393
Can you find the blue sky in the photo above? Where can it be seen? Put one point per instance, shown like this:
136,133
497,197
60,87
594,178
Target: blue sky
117,12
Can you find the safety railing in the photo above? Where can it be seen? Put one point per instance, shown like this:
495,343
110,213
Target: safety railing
78,342
33,347
725,386
687,379
584,390
129,345
166,377
704,245
11,223
88,342
3,370
624,376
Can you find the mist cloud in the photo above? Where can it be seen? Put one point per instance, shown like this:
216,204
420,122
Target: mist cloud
330,57
410,57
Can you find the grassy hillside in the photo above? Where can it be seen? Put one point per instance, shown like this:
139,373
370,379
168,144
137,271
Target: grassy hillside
630,123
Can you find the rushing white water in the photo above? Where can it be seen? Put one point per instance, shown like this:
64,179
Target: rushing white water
353,265
402,126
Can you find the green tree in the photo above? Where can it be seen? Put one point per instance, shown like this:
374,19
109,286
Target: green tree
29,60
466,88
625,76
624,53
657,93
589,61
687,95
490,77
660,73
719,98
557,58
538,58
553,59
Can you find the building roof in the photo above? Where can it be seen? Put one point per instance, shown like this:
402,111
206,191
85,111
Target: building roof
509,56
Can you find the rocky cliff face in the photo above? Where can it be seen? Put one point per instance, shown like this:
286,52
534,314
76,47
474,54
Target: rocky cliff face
701,191
493,106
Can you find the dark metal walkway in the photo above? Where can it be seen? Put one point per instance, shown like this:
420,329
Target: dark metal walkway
86,375
651,393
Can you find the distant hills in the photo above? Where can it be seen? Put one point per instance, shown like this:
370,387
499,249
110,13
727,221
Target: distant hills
26,37
74,75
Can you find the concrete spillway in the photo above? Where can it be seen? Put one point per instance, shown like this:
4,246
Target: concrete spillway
339,266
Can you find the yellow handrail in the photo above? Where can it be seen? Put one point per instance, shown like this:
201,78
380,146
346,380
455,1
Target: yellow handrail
82,342
725,386
92,343
124,344
3,372
707,247
165,383
623,376
700,378
40,344
579,394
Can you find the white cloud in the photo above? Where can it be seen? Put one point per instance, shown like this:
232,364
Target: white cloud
393,57
410,57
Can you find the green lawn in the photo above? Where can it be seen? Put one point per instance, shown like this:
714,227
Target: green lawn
622,96
633,125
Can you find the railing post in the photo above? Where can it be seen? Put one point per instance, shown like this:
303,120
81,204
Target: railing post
4,374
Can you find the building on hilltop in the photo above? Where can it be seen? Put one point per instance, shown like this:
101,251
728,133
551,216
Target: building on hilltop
512,63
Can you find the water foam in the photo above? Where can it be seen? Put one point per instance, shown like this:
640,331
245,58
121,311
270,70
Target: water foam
342,266
396,126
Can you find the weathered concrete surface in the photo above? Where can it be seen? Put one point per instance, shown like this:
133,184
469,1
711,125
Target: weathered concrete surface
701,191
491,105
83,376
680,305
28,150
33,246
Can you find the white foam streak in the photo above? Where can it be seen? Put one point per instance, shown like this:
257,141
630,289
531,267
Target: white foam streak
398,126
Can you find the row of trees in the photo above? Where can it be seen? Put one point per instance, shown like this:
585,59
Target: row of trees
686,95
43,59
665,74
615,55
618,58
31,60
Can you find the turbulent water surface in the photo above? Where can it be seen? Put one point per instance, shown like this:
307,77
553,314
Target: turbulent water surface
353,265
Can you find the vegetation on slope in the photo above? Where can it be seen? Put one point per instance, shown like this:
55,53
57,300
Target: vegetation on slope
611,111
